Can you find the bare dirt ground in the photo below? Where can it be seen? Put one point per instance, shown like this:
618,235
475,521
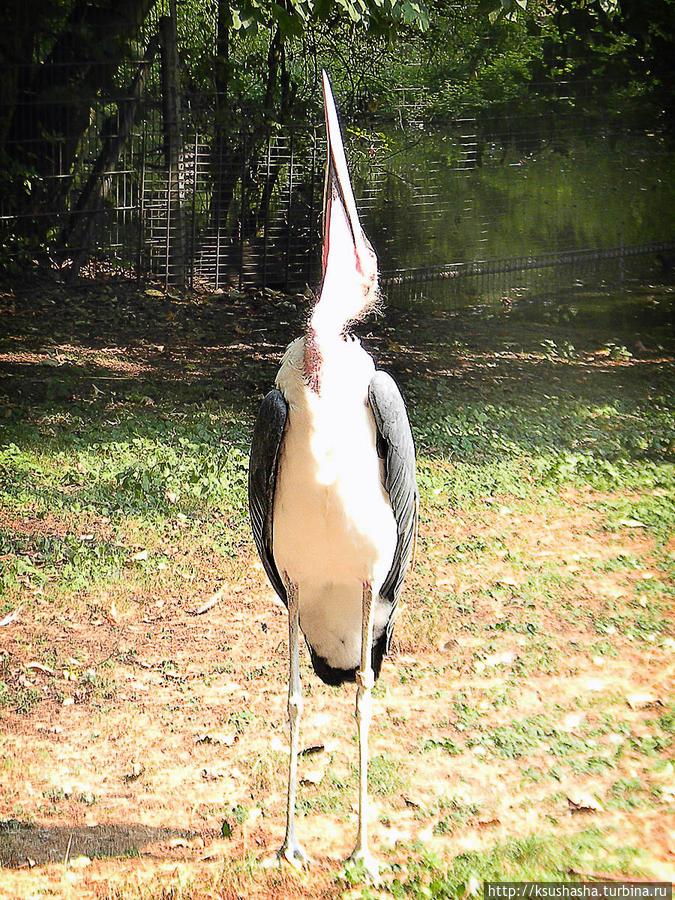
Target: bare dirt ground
148,775
155,765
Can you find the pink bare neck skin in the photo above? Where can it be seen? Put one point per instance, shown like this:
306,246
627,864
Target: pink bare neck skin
313,360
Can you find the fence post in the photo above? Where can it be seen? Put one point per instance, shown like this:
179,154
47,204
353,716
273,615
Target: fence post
311,225
244,170
289,214
171,107
141,207
266,223
193,240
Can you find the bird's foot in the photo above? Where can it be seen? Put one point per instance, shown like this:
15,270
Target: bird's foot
293,853
363,866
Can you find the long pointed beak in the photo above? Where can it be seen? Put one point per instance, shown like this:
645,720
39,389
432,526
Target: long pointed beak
342,230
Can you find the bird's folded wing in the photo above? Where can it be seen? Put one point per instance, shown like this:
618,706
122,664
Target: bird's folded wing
396,447
262,476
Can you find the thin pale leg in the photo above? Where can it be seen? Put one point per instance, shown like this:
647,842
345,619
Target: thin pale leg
365,680
291,849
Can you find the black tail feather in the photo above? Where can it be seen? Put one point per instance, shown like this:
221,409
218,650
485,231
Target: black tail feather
334,676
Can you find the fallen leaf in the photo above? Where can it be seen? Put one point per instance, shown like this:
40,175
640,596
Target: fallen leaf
642,701
487,821
226,738
10,617
136,769
581,802
313,750
496,659
572,721
314,776
112,615
38,667
206,606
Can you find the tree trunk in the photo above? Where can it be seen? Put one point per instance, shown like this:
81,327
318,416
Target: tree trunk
78,230
227,150
61,91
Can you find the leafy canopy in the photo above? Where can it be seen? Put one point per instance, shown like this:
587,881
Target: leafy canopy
292,17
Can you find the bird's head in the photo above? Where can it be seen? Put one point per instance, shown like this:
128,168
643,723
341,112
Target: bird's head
349,264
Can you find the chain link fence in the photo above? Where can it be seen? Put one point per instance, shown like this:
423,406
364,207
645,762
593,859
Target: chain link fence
155,189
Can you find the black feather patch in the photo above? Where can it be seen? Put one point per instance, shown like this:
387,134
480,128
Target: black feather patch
263,465
395,436
334,676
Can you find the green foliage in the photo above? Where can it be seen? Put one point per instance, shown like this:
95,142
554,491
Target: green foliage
171,466
444,744
293,19
20,699
194,467
384,774
456,813
535,857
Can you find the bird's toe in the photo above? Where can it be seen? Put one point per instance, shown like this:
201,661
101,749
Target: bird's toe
362,865
293,853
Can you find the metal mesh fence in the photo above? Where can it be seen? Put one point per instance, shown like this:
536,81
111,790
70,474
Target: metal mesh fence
440,202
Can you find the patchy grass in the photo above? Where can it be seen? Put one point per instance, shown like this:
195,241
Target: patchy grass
523,726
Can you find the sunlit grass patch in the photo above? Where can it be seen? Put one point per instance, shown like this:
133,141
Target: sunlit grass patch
546,857
386,774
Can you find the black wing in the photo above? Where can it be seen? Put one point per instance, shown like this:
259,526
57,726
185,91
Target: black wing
262,479
395,446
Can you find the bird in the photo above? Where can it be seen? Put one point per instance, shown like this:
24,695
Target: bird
333,496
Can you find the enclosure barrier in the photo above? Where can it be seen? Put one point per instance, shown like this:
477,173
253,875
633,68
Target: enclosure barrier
153,189
424,274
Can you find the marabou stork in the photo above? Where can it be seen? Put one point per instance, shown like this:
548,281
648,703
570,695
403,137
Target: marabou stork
332,490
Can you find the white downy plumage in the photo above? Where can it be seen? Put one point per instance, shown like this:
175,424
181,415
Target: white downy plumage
334,529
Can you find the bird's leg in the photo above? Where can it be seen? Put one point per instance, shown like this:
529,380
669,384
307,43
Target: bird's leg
291,849
364,711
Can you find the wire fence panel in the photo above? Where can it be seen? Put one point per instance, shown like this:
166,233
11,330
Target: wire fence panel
469,198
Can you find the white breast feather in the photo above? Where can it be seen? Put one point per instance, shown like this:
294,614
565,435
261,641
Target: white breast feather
334,528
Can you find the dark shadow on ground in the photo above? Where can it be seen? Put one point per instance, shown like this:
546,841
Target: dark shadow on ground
24,845
104,353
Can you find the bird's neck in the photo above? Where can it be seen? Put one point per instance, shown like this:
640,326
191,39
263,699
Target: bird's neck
313,360
326,328
323,358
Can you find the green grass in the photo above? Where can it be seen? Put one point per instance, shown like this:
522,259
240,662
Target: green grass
385,774
182,463
144,479
455,813
139,491
547,857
